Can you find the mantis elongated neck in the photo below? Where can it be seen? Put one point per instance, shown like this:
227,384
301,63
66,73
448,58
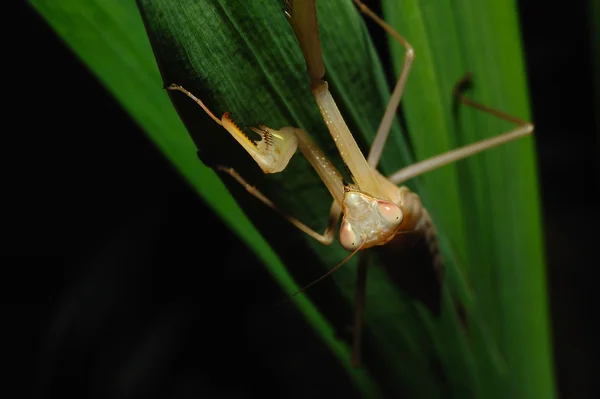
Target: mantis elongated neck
362,173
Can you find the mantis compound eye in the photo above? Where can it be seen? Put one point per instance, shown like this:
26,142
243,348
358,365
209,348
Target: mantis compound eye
390,212
348,237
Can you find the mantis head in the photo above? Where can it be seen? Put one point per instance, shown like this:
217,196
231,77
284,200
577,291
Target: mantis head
368,221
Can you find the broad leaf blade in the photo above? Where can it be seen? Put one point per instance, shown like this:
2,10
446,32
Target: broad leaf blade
242,57
259,75
498,190
110,38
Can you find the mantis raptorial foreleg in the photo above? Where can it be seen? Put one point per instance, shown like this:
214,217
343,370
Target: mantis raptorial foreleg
272,154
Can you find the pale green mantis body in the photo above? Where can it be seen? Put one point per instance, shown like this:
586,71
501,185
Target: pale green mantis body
374,208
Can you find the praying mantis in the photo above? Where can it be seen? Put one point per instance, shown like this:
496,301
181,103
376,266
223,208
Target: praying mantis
374,208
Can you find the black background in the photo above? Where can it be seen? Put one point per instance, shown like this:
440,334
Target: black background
105,258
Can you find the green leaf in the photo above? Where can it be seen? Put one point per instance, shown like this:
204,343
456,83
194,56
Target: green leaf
498,189
242,57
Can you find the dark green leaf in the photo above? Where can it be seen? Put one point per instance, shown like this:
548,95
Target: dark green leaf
241,56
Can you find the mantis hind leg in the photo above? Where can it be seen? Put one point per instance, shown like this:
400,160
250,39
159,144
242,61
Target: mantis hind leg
523,129
464,81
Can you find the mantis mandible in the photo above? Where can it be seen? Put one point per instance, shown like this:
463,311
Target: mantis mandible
374,208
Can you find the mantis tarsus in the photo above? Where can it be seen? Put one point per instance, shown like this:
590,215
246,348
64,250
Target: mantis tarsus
374,208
